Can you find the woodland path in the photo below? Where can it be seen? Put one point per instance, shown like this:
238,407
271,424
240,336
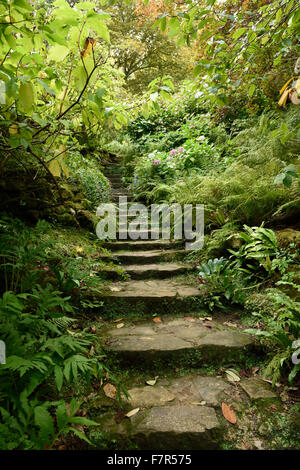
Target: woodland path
174,411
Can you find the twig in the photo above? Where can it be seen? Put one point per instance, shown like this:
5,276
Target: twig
68,84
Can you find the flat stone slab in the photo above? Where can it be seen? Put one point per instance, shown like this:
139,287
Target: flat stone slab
180,427
138,272
183,390
174,336
211,389
180,419
139,234
149,289
146,397
140,245
257,389
163,267
147,257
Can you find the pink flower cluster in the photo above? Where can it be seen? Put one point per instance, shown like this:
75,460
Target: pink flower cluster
156,162
174,151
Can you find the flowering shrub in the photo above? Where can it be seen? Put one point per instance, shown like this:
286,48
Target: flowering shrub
196,155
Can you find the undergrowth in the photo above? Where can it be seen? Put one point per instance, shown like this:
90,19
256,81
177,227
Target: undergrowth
47,351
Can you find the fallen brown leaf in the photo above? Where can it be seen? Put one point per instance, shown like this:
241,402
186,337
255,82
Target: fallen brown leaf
245,445
254,370
232,375
132,412
157,320
270,382
152,382
228,413
120,325
273,407
115,289
229,323
110,390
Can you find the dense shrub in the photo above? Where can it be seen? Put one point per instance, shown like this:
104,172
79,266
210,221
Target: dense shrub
196,155
44,351
86,172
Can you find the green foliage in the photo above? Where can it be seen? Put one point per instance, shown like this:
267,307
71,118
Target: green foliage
222,282
170,117
22,252
96,187
240,185
85,172
251,44
40,348
192,156
257,251
59,88
45,351
141,51
286,177
280,316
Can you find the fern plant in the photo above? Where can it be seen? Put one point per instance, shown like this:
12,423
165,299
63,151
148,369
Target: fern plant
39,425
40,349
260,246
282,328
22,251
222,283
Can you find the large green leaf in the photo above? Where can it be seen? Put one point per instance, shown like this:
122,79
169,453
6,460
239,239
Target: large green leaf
58,53
22,5
59,377
43,420
26,97
99,26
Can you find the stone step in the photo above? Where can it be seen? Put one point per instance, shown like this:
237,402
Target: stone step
152,290
118,187
113,171
120,191
110,175
139,234
145,298
142,245
148,257
170,427
177,341
117,194
115,197
184,413
116,179
139,272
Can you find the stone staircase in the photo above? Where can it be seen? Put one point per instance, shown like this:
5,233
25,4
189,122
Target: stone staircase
180,413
